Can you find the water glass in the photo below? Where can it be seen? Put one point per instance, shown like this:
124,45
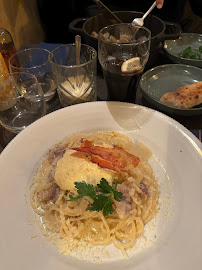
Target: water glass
21,101
123,51
76,83
35,61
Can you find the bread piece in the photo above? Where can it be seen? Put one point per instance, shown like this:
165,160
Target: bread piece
184,97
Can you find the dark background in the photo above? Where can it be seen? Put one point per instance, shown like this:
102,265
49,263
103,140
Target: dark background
56,15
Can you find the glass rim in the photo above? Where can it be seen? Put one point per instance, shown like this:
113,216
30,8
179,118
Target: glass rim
50,57
125,43
25,50
21,95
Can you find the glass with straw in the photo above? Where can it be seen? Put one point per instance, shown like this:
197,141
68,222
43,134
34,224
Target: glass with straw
74,69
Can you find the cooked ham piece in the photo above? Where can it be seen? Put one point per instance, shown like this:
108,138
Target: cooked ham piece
50,193
125,206
51,175
126,190
56,153
144,189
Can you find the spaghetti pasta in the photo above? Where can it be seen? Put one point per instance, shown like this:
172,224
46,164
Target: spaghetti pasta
72,219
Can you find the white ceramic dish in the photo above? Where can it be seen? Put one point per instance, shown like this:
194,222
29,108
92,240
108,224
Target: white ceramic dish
175,151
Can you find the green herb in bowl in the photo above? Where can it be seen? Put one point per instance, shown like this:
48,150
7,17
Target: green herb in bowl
191,53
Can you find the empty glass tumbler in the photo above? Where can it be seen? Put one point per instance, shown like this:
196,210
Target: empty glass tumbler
21,101
35,61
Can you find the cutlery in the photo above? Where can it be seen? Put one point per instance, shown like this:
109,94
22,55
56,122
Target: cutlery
78,51
140,21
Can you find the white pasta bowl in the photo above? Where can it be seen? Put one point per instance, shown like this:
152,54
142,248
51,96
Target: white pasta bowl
168,242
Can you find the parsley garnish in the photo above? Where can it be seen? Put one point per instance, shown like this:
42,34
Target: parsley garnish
101,200
192,53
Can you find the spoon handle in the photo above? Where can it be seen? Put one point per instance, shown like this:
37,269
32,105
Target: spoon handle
78,51
149,10
78,48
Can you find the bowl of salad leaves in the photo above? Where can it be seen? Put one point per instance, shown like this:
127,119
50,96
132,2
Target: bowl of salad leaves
187,49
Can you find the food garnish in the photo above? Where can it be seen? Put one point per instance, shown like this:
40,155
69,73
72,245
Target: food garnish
131,65
191,53
115,159
102,200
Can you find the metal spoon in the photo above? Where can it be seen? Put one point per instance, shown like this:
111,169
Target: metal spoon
140,21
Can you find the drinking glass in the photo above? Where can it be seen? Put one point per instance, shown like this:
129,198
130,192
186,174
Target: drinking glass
21,101
123,51
76,83
35,61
